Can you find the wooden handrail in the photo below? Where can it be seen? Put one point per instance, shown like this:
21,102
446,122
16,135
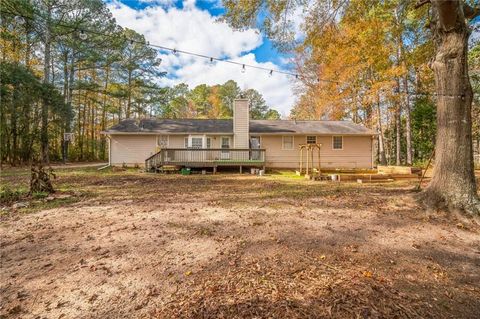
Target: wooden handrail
206,149
210,156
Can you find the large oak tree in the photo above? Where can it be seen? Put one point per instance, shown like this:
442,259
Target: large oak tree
453,184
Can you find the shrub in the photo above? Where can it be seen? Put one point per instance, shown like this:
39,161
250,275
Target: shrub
8,195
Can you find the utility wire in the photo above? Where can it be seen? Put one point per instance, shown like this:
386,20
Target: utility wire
211,59
175,50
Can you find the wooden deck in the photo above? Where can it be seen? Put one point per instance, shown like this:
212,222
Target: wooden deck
203,158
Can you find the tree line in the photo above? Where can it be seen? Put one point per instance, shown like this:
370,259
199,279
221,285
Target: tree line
67,67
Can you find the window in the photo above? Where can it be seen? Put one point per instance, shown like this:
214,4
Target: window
337,142
162,141
185,142
287,143
209,142
255,142
197,142
225,142
311,140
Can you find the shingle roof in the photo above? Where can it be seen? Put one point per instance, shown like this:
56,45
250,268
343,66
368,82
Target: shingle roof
189,126
308,127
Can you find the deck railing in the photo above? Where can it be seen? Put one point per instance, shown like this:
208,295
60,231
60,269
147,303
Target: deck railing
201,157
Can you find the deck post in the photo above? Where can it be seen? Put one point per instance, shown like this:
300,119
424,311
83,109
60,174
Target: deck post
214,170
240,169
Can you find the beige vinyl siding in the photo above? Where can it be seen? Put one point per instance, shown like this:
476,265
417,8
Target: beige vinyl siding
132,149
356,152
241,124
177,141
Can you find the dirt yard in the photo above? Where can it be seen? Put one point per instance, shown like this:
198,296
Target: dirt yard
137,245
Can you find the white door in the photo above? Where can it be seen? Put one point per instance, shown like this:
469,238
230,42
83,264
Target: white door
196,143
255,144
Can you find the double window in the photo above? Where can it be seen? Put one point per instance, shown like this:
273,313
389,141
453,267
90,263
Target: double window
225,142
337,142
311,139
287,143
197,142
162,141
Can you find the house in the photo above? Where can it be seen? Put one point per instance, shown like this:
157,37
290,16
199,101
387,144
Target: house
238,142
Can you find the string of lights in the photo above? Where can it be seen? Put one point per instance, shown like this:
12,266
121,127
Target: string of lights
83,35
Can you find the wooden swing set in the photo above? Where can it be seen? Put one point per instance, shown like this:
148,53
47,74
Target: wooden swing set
309,151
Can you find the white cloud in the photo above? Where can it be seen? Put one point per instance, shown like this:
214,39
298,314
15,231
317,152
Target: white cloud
196,30
166,3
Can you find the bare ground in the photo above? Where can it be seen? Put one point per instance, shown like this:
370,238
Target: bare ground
139,245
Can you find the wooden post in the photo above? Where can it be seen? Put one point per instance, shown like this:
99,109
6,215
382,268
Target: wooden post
301,160
306,170
240,169
311,157
214,170
319,166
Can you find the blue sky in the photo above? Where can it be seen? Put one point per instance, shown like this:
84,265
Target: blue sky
192,25
264,53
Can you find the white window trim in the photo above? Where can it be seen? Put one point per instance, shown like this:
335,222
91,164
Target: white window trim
208,138
259,140
229,141
333,144
168,140
191,137
283,143
307,136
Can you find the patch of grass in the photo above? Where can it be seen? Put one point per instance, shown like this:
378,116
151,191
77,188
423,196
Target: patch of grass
39,195
284,173
9,195
13,172
39,205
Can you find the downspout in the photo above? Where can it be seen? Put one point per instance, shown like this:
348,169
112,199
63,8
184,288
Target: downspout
371,152
109,155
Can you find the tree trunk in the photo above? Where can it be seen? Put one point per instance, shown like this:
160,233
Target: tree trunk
408,121
381,146
65,97
104,113
46,80
129,98
453,184
398,135
398,108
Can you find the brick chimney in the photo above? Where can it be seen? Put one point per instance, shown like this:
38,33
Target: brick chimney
241,123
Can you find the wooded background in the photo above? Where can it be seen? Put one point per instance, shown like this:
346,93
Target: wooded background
56,78
374,56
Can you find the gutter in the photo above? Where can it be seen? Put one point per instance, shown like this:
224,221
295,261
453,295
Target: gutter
231,133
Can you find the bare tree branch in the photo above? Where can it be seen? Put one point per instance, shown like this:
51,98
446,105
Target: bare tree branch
421,3
469,12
